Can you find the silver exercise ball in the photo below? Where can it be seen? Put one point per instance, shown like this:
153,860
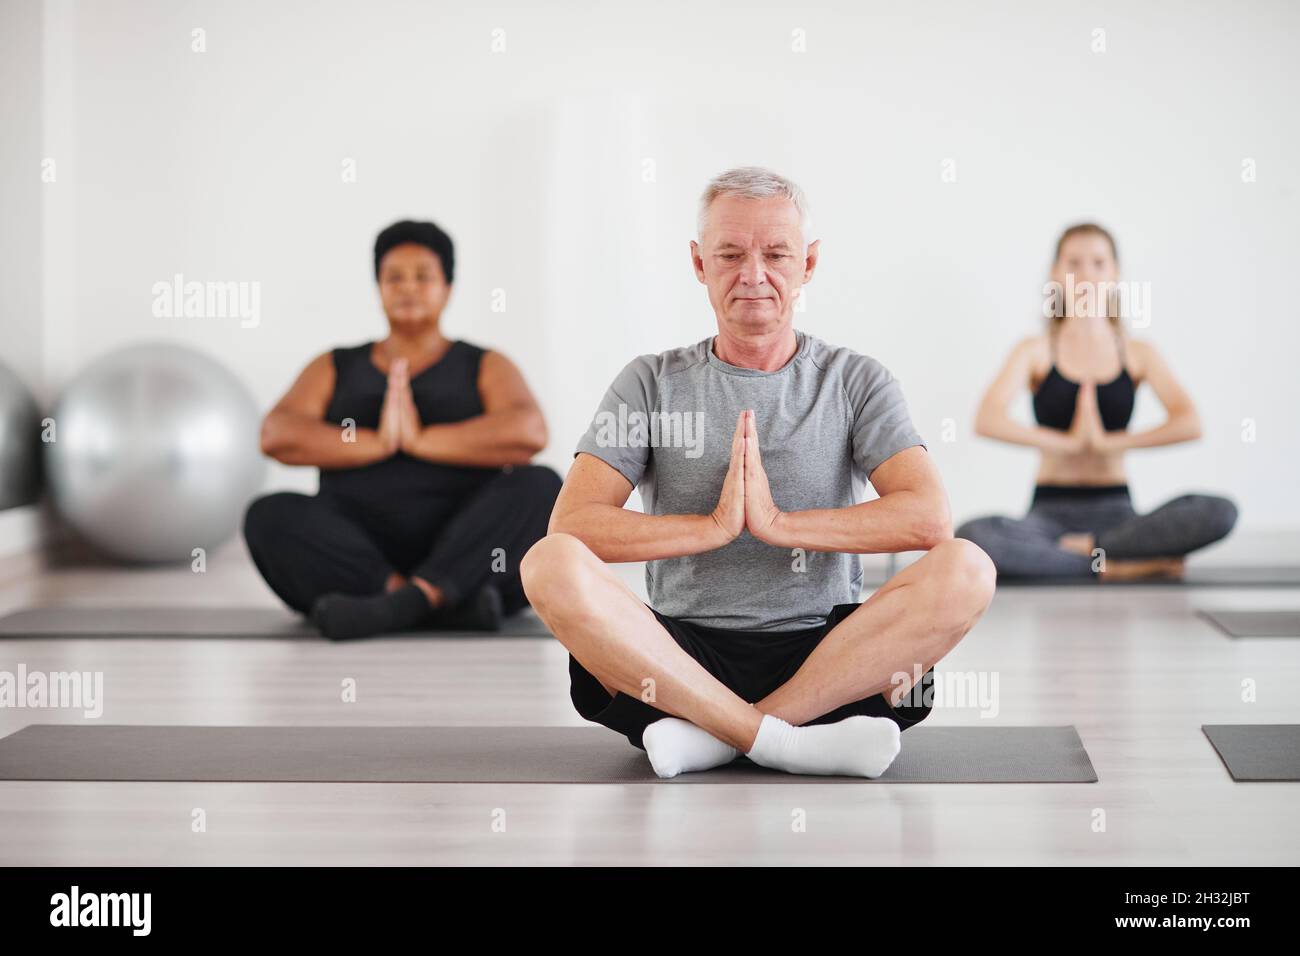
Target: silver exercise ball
20,442
155,453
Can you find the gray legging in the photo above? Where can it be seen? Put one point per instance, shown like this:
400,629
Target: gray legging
1026,547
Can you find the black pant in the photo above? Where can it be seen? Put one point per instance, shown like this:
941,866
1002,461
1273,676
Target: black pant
309,545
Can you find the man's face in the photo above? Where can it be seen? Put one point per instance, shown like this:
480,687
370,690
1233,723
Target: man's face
752,258
412,286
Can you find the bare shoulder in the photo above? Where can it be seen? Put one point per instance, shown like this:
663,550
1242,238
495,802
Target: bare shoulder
321,364
311,390
1142,355
1032,352
318,373
496,367
1031,345
501,384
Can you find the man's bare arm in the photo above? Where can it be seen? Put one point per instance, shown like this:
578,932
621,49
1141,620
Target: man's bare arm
911,514
590,507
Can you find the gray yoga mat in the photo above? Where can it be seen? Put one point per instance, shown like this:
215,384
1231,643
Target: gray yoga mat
1212,577
1256,751
47,622
490,755
1255,623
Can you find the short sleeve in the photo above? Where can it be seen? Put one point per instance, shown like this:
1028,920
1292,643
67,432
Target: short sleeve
613,435
882,425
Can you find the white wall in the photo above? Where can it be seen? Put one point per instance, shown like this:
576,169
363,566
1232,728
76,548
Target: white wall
225,165
20,189
20,226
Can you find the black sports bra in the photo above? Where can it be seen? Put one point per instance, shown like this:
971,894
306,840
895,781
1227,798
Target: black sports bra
446,391
1055,397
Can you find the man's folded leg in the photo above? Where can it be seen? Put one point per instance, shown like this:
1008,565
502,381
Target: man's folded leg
863,741
627,670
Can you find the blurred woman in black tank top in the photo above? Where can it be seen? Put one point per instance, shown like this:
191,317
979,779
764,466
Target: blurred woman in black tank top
1084,374
427,499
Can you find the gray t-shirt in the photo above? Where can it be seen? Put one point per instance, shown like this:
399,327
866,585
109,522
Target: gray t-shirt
825,421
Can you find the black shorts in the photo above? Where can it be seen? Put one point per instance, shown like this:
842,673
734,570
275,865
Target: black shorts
751,663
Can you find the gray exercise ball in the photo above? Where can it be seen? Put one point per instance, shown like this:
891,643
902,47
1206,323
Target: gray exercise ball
20,442
155,453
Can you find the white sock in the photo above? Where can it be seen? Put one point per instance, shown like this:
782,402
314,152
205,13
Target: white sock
856,746
678,746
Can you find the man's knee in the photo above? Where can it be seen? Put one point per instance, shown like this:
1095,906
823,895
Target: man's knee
965,578
553,569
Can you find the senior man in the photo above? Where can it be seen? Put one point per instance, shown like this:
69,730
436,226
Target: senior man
751,450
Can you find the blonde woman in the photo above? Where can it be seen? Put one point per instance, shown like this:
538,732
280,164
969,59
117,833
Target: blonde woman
1083,373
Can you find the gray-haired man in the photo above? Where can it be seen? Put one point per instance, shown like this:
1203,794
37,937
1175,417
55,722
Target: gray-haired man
751,450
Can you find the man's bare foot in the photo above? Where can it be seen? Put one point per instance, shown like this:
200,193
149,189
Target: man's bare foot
1077,543
1167,568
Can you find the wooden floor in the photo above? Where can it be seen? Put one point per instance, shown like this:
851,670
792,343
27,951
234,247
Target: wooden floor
1134,670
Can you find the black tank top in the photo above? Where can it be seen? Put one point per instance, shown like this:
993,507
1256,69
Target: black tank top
1056,395
446,391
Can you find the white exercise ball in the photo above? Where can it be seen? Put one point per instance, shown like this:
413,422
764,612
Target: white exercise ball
154,453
